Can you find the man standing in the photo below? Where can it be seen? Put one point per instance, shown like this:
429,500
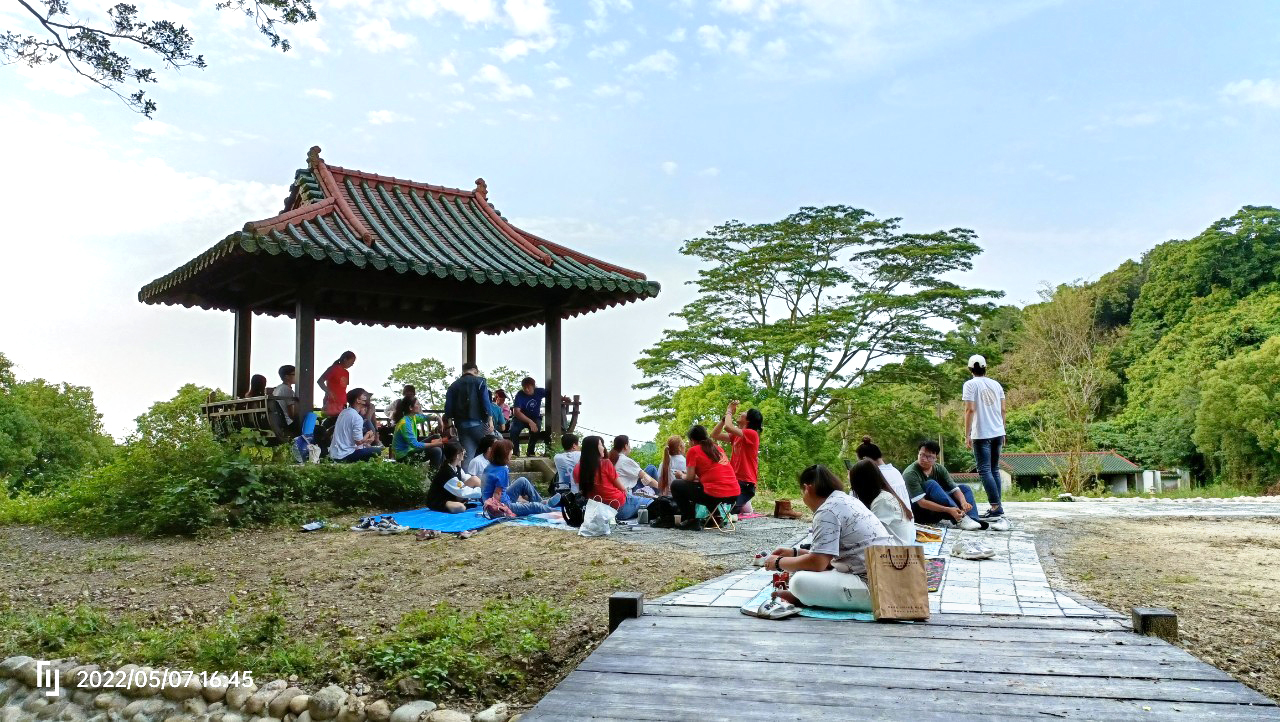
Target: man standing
984,431
467,403
527,412
934,496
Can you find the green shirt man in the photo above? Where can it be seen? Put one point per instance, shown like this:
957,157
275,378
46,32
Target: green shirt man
925,469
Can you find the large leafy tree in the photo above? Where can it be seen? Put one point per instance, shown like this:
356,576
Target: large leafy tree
116,50
430,377
809,304
1237,425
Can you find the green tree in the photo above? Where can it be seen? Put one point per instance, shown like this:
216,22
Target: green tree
47,431
1237,425
505,378
107,50
807,305
429,376
177,419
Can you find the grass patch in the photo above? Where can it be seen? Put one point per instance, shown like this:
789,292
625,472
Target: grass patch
477,655
192,574
677,584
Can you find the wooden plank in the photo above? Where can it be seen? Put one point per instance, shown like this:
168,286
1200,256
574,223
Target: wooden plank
950,620
742,624
714,672
593,695
709,645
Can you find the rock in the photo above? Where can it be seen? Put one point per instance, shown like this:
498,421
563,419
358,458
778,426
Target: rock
9,667
257,702
413,711
25,672
80,677
449,715
188,689
195,706
49,711
304,716
279,704
379,711
73,713
517,718
298,704
1065,496
83,698
179,718
327,703
409,687
352,710
229,717
237,696
34,703
109,700
497,713
215,690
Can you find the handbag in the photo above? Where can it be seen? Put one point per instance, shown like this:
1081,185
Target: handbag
896,579
493,508
596,519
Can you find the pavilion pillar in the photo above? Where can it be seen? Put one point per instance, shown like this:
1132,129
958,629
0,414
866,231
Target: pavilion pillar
304,320
243,346
555,412
469,346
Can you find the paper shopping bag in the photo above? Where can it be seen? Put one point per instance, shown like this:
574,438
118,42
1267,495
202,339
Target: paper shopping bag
896,577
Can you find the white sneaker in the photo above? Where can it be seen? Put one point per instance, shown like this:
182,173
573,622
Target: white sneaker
999,524
968,524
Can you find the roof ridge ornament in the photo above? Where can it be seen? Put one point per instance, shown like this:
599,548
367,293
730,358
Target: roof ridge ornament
482,196
330,185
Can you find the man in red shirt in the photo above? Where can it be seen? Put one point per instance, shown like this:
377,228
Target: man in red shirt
743,433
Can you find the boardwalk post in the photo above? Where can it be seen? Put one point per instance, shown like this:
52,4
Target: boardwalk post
1156,622
624,605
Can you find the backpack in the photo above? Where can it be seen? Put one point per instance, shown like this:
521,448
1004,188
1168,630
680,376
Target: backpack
573,508
663,508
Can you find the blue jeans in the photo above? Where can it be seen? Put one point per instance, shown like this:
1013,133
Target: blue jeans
523,487
987,453
934,493
518,427
632,507
364,453
470,436
651,470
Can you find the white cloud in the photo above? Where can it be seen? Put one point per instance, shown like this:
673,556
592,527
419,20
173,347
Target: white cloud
1257,92
503,88
776,48
709,172
56,78
762,9
155,129
738,42
520,47
599,22
446,67
670,167
386,117
471,11
662,61
561,83
740,7
710,37
318,93
529,17
457,88
634,96
676,36
606,90
378,36
459,106
611,50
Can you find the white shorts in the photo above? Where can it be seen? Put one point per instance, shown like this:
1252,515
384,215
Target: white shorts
831,589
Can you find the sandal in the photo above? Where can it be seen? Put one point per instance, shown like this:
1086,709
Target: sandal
777,609
426,534
467,534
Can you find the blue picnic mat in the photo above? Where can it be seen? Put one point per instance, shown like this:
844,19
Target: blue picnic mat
814,612
443,521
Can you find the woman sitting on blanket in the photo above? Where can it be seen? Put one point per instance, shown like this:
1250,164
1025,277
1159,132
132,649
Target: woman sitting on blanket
832,573
451,488
598,479
497,485
873,490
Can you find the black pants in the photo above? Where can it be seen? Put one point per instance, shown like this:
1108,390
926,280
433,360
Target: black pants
747,490
688,494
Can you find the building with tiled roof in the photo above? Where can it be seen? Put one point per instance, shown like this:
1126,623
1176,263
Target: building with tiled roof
1032,470
364,248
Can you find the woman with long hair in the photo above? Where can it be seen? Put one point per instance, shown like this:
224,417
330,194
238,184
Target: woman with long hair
742,432
405,444
497,484
709,481
598,479
634,479
673,464
333,382
868,450
257,387
832,573
869,485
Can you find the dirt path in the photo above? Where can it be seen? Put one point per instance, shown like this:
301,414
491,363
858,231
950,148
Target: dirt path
1222,577
338,584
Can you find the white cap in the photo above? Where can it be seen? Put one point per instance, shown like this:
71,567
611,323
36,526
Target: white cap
977,360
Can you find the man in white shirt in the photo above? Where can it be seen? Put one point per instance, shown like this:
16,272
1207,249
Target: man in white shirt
565,462
349,443
984,429
285,397
480,462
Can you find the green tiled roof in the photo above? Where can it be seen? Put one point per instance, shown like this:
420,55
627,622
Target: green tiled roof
375,222
1098,462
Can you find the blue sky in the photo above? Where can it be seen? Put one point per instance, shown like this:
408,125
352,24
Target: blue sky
1069,135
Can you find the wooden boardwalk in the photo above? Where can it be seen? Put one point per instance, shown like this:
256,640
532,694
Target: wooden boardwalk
709,663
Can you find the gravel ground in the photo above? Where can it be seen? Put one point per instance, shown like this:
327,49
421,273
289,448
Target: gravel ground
732,549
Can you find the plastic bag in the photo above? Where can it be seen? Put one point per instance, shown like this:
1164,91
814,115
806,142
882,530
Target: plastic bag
597,518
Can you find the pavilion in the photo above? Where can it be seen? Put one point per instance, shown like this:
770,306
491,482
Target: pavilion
369,249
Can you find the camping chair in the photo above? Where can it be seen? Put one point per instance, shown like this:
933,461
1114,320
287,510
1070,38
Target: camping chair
722,519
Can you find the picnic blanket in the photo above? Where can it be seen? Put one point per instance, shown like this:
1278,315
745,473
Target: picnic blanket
814,612
443,521
933,569
549,520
